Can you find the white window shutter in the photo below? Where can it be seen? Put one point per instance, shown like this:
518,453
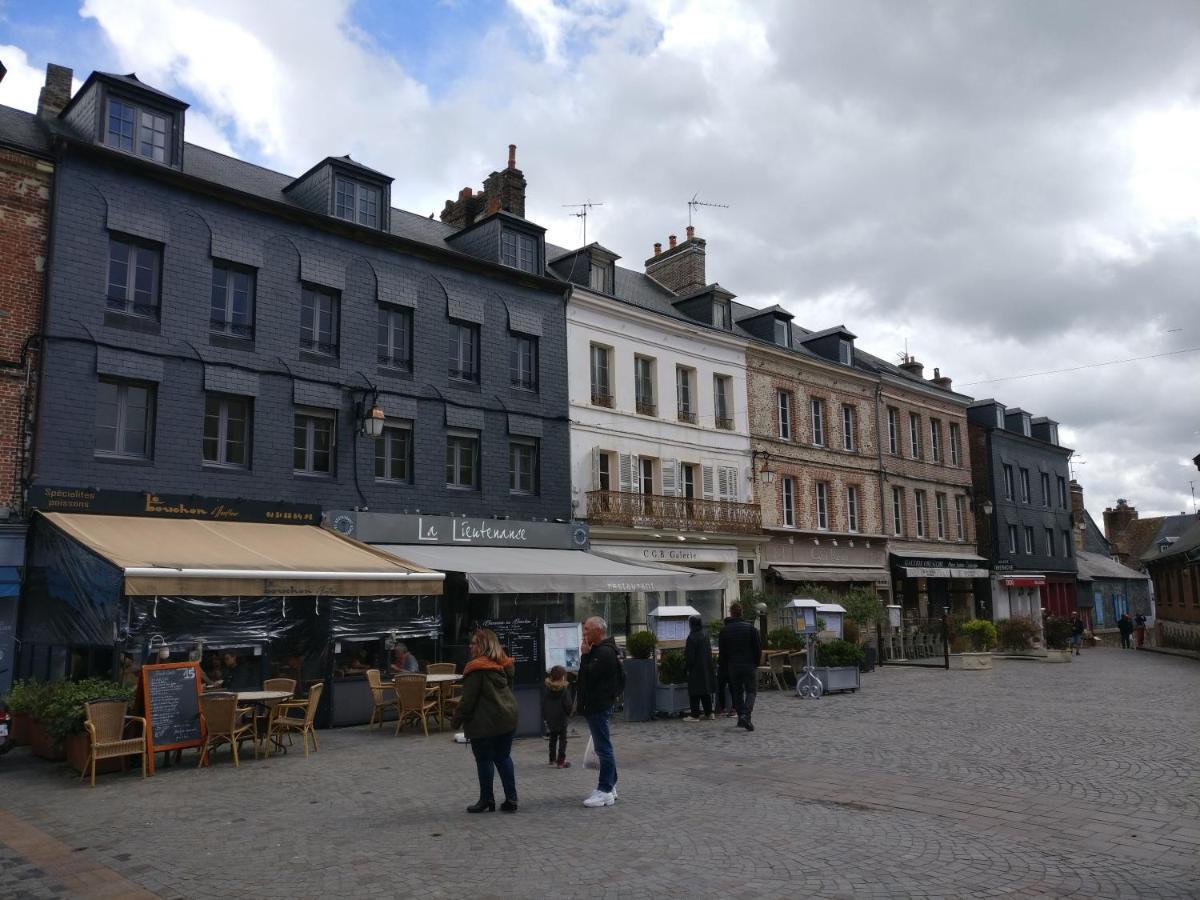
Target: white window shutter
733,495
722,483
670,477
706,476
595,468
625,465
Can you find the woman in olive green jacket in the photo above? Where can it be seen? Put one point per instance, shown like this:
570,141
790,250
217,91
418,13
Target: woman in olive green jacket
487,713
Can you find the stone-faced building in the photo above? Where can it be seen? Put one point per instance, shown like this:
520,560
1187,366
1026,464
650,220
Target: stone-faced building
1021,469
1107,588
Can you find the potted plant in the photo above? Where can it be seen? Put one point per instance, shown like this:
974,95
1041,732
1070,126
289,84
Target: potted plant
640,677
863,611
63,717
1015,637
671,692
1056,632
23,699
979,635
838,665
785,639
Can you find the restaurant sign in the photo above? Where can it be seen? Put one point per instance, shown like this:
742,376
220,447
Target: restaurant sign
170,506
385,528
925,567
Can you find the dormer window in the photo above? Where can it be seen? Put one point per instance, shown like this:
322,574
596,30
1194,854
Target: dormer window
356,202
138,130
601,277
722,315
520,251
783,333
845,353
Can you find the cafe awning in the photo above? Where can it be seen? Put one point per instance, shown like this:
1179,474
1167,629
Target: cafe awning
916,564
522,570
193,557
830,573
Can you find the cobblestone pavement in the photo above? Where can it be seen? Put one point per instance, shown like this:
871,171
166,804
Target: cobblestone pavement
1078,780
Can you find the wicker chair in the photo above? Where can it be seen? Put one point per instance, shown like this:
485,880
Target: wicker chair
105,725
289,724
440,668
778,664
383,698
415,703
449,693
226,722
268,707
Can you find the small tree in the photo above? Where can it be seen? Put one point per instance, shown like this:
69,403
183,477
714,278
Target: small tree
980,633
641,644
1057,632
1016,634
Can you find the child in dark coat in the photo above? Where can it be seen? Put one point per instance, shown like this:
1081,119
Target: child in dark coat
556,709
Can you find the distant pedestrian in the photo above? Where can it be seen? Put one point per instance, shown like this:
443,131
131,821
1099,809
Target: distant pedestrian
1139,625
556,709
1125,626
601,682
698,662
487,714
1077,629
740,647
724,693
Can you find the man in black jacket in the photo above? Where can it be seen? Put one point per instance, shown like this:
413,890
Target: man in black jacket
740,648
601,682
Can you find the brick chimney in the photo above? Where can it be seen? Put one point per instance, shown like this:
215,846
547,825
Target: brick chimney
501,190
56,92
679,268
940,380
1077,516
912,367
1117,520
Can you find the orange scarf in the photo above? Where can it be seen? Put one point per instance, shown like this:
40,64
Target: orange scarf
487,664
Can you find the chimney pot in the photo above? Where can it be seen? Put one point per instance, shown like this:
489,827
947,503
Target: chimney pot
464,193
671,240
56,92
493,205
512,156
691,232
657,249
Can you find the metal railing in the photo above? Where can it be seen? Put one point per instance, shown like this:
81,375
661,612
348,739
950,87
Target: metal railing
677,513
647,408
687,415
602,398
724,424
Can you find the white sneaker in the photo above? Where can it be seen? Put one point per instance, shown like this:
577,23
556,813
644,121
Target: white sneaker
600,798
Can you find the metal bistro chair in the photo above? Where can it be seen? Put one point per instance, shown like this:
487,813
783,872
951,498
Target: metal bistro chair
415,704
286,723
105,725
226,722
383,698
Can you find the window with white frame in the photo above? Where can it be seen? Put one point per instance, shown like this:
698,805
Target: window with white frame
935,440
919,499
605,465
897,511
523,466
783,400
313,444
226,431
959,523
138,130
722,315
319,321
852,508
134,268
523,361
845,353
893,418
1012,539
914,435
519,250
231,303
822,506
955,445
1045,489
939,503
462,460
1066,543
393,452
787,487
817,413
1008,482
1025,486
1049,541
643,385
849,425
783,333
394,338
723,402
1029,540
1062,492
463,354
124,419
356,202
601,358
685,393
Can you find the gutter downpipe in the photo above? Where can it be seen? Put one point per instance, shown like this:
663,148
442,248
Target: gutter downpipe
882,517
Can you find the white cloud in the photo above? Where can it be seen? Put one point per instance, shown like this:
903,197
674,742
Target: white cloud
23,82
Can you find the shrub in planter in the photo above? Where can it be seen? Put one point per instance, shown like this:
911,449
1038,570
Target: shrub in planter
980,634
63,714
850,631
641,645
1057,632
672,667
1016,634
25,701
784,639
839,653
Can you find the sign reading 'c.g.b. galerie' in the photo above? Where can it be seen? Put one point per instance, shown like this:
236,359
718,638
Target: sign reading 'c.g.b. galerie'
170,506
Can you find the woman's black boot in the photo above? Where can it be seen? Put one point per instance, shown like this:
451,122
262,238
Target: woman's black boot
482,806
509,806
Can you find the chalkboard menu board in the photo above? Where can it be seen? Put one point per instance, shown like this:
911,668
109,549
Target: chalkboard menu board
171,704
519,638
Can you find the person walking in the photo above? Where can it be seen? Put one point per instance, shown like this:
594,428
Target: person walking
740,648
1077,629
487,714
556,709
698,663
601,682
1139,626
1125,626
724,692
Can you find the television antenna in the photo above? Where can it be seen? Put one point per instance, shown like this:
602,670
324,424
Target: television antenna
1072,462
696,201
1192,485
583,213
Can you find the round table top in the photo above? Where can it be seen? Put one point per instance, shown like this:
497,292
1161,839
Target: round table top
442,678
254,696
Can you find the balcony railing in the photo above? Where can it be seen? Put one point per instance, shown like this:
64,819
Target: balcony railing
646,408
602,398
675,513
687,415
724,423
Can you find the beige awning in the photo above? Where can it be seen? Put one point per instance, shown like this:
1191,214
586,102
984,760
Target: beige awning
851,574
162,557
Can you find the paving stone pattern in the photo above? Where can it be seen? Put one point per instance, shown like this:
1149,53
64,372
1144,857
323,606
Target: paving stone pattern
1078,780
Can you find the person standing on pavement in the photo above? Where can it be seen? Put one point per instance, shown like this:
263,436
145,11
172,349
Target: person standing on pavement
740,648
556,710
487,714
1125,626
698,663
1077,629
1139,625
724,693
601,682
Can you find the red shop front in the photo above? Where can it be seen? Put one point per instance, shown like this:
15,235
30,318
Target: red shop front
1059,595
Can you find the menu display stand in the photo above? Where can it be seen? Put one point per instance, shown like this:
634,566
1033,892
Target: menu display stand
170,695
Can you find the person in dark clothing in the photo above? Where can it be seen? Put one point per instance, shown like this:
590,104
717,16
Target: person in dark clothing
1077,629
487,713
240,675
1139,625
698,663
740,647
556,709
601,682
724,691
1125,626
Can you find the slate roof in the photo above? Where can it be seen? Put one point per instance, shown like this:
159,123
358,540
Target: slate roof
1142,535
23,131
1185,542
1095,565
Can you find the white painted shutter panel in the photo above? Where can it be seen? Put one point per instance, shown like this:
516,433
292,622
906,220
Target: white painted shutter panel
733,495
595,468
722,483
706,476
670,477
625,474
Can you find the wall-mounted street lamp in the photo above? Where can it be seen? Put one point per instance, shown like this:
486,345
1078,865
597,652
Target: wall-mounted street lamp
766,475
372,421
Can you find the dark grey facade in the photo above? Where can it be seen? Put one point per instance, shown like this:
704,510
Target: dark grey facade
1018,466
204,209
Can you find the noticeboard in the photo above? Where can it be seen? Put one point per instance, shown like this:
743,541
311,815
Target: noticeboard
562,645
170,695
519,638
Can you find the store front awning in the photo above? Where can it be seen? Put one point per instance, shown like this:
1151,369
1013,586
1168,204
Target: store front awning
934,564
1023,581
161,557
521,570
803,574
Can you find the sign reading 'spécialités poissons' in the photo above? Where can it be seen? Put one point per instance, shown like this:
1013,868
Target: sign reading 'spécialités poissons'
170,506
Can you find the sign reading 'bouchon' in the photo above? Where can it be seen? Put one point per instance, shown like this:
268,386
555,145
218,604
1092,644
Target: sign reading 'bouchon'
170,506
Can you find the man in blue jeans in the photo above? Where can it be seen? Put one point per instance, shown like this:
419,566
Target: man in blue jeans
601,682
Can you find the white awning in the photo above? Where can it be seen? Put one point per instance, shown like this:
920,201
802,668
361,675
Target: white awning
939,572
520,570
802,574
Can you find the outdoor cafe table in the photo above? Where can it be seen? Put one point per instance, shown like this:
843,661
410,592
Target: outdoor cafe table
261,699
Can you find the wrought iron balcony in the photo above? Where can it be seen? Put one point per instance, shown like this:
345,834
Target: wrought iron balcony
687,415
646,408
725,424
675,513
602,398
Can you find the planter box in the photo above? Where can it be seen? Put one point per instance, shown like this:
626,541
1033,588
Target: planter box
18,729
840,678
76,748
671,699
970,662
43,745
641,676
1057,656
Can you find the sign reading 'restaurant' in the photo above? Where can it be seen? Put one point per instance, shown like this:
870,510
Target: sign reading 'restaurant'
170,506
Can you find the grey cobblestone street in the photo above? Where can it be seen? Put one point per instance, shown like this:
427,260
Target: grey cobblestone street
1078,780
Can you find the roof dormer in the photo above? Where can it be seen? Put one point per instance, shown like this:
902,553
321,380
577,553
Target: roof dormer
987,413
1018,421
122,113
593,266
1045,429
711,305
504,238
346,189
773,324
834,344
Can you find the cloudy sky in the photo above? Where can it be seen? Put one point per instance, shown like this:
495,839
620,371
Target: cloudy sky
1006,188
